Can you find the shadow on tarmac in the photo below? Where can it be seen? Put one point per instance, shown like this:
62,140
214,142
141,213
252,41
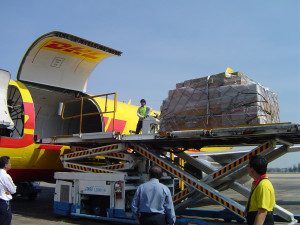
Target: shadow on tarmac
42,208
40,211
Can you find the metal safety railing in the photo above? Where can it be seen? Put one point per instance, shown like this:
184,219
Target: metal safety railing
81,114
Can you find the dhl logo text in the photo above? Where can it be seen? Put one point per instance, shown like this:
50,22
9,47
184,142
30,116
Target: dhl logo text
74,50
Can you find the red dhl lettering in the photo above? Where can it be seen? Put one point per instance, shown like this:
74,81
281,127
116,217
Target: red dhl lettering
58,45
74,50
119,125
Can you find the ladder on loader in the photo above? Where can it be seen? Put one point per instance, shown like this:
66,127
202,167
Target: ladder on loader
110,151
196,189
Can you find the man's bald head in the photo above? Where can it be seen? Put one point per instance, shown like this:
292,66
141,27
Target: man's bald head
155,172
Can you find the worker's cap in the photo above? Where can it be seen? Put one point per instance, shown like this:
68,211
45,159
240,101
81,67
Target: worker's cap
143,100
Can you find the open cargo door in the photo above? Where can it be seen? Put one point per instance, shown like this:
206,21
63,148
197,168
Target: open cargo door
62,60
5,119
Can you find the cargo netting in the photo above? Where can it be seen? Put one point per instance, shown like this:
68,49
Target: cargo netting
220,100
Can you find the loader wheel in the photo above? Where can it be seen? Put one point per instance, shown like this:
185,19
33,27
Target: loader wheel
32,196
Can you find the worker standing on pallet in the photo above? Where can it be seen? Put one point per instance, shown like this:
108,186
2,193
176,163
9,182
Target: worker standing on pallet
142,112
261,202
152,202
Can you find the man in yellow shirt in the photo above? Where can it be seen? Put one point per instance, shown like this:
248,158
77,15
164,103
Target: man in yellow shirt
261,202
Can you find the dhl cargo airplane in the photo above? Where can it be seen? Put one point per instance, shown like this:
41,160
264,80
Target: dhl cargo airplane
55,69
49,99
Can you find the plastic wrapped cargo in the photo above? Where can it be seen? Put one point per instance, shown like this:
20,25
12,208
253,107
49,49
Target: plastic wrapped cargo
221,100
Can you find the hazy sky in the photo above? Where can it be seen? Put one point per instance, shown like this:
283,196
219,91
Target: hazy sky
165,42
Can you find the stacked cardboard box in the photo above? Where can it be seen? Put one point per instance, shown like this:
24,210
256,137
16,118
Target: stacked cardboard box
221,100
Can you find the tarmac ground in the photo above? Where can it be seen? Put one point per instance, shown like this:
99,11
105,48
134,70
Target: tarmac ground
40,211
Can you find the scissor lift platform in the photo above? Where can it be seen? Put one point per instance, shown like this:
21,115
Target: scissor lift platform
272,141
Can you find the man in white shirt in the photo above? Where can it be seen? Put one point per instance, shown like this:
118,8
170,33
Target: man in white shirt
7,188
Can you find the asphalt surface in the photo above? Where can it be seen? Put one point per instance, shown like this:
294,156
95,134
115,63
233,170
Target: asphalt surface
40,211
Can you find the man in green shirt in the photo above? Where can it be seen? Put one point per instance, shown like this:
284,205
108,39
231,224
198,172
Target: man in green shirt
142,112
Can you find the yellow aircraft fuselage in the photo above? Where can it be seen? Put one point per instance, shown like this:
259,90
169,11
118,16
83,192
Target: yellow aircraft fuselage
32,161
55,69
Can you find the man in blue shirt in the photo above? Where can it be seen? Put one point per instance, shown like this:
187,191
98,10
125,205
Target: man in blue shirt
152,202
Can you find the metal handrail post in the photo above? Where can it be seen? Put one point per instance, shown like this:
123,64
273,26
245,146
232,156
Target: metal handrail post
81,109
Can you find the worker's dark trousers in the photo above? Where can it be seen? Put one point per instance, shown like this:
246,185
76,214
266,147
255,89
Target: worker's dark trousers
5,213
268,221
152,219
139,127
